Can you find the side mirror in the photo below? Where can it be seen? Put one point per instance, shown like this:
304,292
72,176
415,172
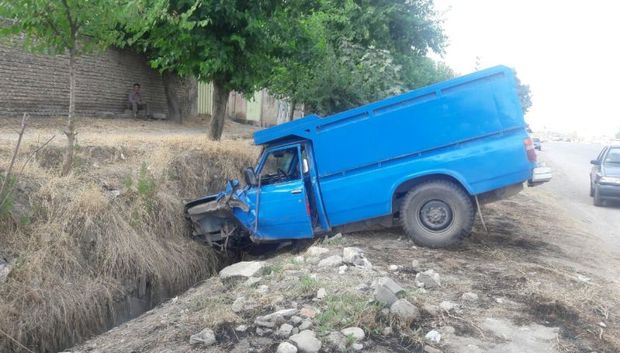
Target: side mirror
249,176
305,166
595,162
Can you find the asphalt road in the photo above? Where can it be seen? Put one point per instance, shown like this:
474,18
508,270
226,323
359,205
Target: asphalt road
570,184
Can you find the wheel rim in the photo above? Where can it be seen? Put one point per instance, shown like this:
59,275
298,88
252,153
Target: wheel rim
436,215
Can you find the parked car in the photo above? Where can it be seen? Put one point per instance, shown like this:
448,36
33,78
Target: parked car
422,160
605,175
537,143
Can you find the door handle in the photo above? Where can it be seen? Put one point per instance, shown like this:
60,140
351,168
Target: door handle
296,191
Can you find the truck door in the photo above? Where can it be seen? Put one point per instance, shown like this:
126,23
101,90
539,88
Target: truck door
283,209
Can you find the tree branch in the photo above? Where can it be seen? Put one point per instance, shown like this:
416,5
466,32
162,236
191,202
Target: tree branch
19,142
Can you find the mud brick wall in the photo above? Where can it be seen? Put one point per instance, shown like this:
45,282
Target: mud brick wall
39,84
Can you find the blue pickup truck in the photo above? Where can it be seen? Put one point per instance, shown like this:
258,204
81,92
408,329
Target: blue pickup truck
423,160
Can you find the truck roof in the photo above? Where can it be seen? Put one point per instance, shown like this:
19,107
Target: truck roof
309,126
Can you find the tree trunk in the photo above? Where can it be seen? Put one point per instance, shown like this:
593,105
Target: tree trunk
70,129
220,100
291,113
174,110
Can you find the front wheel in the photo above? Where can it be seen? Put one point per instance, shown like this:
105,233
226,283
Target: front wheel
437,214
598,201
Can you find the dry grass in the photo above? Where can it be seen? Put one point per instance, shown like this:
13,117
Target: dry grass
79,248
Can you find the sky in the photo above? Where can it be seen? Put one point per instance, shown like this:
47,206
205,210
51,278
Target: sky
567,51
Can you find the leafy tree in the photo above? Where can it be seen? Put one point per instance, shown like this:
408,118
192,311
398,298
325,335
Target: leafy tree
231,43
52,27
350,52
525,96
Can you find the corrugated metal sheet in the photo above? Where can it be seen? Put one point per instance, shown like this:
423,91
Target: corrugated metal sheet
205,98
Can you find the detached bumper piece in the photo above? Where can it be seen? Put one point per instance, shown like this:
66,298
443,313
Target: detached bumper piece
540,175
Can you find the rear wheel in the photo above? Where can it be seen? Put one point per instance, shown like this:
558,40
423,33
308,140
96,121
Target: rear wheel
437,214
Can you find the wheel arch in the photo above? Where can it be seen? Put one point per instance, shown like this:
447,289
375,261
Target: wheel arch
401,188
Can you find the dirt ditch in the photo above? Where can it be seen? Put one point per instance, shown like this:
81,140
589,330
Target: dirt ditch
109,242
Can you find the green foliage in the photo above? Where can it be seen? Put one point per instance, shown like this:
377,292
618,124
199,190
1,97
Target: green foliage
7,198
227,41
307,285
345,310
55,26
273,269
146,184
525,96
347,53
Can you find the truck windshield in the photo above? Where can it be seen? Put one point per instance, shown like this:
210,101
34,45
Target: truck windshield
613,156
280,166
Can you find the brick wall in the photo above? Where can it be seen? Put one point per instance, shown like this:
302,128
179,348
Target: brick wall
39,84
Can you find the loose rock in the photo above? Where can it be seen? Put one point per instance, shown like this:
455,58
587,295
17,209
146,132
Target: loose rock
285,330
306,341
296,320
337,341
252,281
355,256
308,312
404,310
243,269
273,319
320,294
241,328
237,305
316,251
357,346
469,297
387,331
447,306
205,337
342,269
332,261
393,267
433,336
386,291
355,332
428,279
390,284
286,347
306,324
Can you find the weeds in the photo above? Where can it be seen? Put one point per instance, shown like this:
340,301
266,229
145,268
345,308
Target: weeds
89,247
344,310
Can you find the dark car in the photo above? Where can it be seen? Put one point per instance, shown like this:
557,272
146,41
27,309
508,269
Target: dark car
605,175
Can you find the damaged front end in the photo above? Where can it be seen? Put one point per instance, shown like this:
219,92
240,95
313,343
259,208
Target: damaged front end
214,218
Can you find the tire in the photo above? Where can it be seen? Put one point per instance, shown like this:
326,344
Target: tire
598,201
437,214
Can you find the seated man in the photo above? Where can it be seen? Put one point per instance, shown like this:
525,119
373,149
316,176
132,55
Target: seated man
136,101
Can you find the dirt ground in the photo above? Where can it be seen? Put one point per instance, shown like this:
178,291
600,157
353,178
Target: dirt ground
539,290
544,282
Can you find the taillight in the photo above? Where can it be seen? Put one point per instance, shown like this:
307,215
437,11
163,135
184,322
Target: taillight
529,148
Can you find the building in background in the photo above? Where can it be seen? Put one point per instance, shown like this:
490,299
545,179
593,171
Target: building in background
262,109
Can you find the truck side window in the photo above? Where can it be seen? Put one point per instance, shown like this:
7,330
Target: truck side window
280,166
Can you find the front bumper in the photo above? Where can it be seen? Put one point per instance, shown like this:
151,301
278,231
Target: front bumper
609,191
540,175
